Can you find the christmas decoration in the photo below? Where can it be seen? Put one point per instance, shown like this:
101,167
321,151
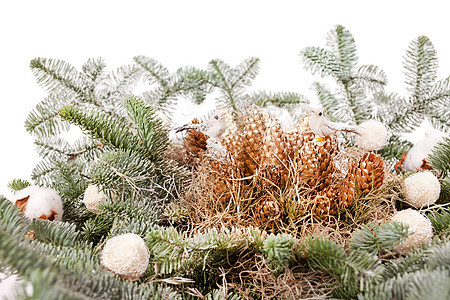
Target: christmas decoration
93,197
39,203
322,127
420,229
125,255
247,207
421,189
373,135
417,156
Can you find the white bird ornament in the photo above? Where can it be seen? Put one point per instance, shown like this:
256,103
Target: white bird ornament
323,128
214,127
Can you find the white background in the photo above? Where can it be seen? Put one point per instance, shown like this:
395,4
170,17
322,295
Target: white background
181,33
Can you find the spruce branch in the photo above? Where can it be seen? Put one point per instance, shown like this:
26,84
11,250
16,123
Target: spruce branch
440,219
44,120
113,130
422,284
56,233
57,75
337,109
352,272
322,61
149,128
421,68
375,238
277,249
154,72
280,99
355,83
18,184
232,81
439,158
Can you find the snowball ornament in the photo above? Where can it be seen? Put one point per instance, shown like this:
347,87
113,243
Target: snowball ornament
39,203
421,189
420,229
125,255
373,135
93,197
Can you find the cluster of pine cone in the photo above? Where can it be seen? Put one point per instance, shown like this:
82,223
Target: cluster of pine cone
259,150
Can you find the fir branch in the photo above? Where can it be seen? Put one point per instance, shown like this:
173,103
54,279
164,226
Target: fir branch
57,75
232,81
192,83
94,69
56,233
125,172
96,227
149,128
201,254
336,108
394,149
439,157
121,80
154,72
352,272
18,184
342,43
11,220
52,145
422,284
421,68
440,219
322,61
112,130
43,172
375,238
277,249
44,120
371,77
280,99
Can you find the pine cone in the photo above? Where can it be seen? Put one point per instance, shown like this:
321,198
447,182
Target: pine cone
347,190
317,161
266,211
273,159
369,173
245,142
365,176
195,142
325,204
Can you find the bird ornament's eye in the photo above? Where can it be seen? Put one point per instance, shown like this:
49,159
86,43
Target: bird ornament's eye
216,117
320,114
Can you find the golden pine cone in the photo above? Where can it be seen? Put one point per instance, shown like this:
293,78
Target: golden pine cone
347,190
369,173
266,211
325,165
365,176
295,138
317,161
325,204
244,143
273,159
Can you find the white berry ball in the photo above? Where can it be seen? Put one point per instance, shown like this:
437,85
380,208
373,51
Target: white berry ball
125,255
420,229
373,135
39,203
421,189
93,197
